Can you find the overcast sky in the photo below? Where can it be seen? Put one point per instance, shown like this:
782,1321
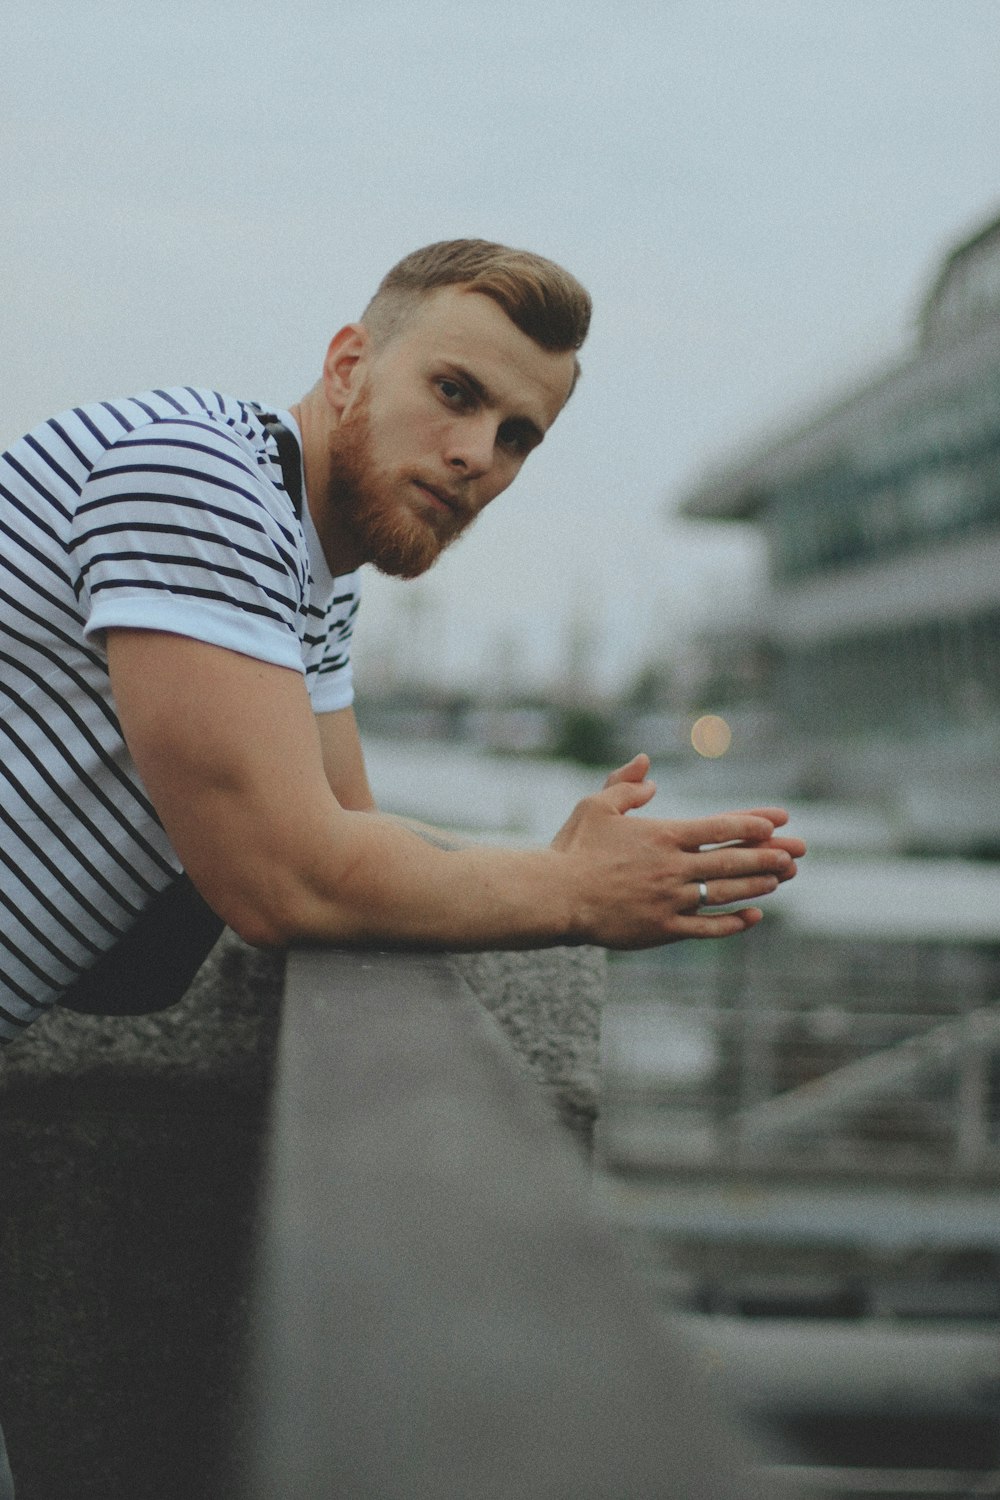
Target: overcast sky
755,191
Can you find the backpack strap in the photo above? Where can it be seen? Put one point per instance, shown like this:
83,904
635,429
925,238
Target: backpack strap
152,964
289,456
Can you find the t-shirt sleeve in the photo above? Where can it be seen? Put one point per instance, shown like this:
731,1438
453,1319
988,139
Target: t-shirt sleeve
177,529
330,679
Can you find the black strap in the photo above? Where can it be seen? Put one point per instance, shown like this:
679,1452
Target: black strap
153,963
288,457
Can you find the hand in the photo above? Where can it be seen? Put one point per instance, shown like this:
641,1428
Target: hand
641,877
792,846
637,771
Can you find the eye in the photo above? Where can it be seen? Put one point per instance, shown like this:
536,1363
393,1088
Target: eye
515,438
453,393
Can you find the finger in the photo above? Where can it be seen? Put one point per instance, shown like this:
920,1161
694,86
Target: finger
710,893
724,828
793,846
637,769
724,924
623,796
738,862
776,815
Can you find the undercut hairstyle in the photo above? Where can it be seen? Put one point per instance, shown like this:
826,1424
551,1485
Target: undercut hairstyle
540,298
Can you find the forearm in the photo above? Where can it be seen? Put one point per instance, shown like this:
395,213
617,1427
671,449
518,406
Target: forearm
611,880
439,838
392,884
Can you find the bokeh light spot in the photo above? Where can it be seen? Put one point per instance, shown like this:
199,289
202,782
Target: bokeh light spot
711,736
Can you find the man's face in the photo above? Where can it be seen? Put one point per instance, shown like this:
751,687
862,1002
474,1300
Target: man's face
438,423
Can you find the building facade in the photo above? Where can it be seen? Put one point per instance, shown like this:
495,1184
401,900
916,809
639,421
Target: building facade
882,519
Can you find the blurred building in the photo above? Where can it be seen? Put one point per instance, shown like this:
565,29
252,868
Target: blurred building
881,629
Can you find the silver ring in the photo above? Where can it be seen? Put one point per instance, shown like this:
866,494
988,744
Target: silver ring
702,893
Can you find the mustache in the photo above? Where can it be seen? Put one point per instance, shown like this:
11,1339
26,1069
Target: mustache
455,500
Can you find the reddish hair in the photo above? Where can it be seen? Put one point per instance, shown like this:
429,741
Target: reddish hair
541,298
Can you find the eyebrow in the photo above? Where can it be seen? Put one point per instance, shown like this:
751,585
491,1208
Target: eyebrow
482,393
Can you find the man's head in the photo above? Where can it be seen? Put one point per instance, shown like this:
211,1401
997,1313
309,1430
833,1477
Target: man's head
459,365
539,297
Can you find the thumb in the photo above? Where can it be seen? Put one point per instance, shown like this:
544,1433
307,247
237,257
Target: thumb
623,796
637,769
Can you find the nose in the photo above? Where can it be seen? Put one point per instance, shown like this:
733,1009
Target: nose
472,446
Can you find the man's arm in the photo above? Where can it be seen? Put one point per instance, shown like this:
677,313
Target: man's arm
344,760
347,777
232,756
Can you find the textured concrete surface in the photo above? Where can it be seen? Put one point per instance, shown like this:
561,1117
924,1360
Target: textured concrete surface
548,1003
440,1312
222,1030
131,1151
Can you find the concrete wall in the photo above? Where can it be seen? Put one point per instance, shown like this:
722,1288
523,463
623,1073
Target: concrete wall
131,1151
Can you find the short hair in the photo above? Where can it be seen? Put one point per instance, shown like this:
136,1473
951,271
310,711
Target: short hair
541,298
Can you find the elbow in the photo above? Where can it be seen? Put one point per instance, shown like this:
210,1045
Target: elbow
279,917
258,913
260,930
267,922
272,900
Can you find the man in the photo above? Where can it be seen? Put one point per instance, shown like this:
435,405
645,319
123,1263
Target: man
175,612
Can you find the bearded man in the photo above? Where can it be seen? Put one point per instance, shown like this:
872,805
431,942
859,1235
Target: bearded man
178,583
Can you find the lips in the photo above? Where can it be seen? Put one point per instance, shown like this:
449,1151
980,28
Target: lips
443,497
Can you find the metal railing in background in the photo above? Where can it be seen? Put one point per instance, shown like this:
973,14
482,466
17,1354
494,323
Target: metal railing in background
801,1140
842,1060
780,1090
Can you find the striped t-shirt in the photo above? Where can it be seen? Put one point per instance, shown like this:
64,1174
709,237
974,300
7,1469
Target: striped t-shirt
164,511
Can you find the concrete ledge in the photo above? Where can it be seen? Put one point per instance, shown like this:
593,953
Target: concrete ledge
131,1152
437,1310
547,1003
223,1030
549,1006
132,1160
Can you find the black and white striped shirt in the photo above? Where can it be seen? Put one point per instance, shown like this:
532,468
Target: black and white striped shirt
164,511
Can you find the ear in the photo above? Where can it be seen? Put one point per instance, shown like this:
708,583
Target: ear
345,363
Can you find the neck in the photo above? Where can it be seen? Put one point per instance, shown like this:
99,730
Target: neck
316,467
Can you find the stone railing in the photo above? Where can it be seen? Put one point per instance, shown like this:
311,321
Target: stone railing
333,1245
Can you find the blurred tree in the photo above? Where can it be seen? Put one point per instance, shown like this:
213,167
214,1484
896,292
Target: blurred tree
585,735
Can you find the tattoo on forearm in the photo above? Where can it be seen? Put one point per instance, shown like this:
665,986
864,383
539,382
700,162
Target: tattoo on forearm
429,835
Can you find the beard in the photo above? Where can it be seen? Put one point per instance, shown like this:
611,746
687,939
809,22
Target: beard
398,541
